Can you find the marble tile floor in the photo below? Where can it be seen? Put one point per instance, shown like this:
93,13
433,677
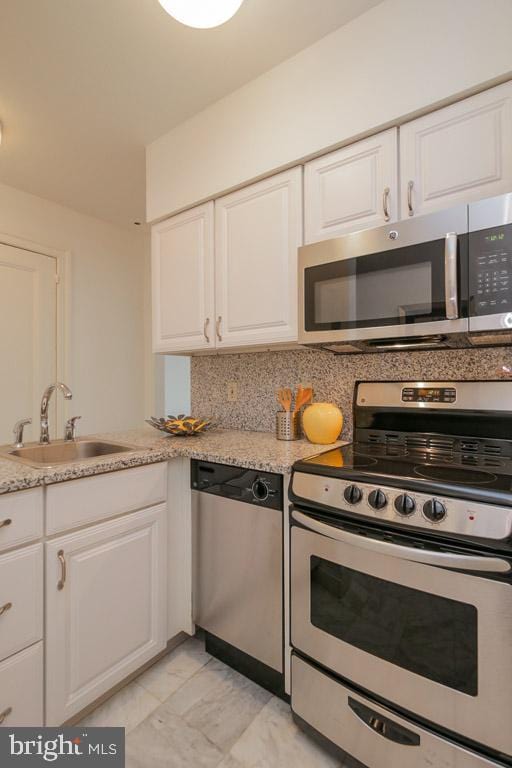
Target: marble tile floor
192,711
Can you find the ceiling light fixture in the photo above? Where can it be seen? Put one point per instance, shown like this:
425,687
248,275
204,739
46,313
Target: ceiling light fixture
202,14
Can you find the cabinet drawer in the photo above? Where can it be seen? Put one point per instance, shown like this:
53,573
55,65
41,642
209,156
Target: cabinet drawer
21,599
21,688
21,517
78,502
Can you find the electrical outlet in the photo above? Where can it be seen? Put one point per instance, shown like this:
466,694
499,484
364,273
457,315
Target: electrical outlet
232,391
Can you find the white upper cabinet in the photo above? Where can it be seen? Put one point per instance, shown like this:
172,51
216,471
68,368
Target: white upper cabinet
457,154
257,232
182,279
353,188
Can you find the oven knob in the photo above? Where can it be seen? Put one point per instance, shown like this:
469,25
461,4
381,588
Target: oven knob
434,510
352,494
377,499
405,504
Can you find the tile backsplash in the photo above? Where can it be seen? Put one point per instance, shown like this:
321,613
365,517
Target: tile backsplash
258,376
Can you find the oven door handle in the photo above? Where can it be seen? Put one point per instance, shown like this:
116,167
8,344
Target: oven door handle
450,276
428,557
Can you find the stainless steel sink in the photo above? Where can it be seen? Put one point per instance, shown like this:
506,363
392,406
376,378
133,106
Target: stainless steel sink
63,452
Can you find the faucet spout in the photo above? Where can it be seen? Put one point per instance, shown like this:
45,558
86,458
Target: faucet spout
45,403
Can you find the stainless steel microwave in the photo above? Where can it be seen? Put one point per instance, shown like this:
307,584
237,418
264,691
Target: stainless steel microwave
444,279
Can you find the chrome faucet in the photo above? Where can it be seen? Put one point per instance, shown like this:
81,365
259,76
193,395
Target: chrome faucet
45,402
70,428
18,432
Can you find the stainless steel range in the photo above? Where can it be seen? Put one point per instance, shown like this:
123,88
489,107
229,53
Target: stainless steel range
401,579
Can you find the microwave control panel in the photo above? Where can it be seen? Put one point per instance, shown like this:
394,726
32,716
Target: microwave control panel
490,271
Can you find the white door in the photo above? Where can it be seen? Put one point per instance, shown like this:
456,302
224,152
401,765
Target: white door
257,232
28,332
353,188
105,608
182,279
457,154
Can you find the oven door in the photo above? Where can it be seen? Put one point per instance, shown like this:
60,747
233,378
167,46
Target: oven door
429,631
408,279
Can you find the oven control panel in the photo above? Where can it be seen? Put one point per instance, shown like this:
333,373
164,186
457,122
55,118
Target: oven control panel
490,273
429,394
404,507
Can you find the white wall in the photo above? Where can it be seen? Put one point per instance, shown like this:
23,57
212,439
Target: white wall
107,366
393,61
177,385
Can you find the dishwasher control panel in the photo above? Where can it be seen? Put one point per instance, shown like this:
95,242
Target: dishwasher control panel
265,489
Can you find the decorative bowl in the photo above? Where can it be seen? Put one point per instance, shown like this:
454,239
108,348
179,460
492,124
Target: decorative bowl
181,425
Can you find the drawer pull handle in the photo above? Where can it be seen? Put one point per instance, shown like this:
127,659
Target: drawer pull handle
383,725
63,569
4,523
5,714
5,608
217,326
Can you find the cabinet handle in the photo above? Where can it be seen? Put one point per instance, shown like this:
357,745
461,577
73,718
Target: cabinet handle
410,185
205,329
219,321
5,714
5,608
63,569
4,523
385,203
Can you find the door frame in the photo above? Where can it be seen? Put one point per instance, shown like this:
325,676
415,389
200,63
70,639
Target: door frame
63,309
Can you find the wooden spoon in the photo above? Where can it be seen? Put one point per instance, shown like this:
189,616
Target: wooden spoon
303,396
284,397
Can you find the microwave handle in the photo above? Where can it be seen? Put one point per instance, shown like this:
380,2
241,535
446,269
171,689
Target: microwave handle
450,276
428,557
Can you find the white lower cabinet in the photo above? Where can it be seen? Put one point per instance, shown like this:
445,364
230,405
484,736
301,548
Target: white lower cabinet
21,688
106,607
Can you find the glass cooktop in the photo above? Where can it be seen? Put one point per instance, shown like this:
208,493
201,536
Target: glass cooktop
428,467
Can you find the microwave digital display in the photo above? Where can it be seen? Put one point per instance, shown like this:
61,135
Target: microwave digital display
494,237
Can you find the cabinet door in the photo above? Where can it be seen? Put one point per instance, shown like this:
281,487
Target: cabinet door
257,233
106,608
457,154
353,188
182,280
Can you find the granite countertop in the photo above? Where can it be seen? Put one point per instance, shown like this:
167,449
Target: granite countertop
255,450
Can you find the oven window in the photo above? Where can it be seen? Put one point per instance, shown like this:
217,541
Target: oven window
429,635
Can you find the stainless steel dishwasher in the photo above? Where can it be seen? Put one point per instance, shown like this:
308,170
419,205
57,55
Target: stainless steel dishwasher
238,568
